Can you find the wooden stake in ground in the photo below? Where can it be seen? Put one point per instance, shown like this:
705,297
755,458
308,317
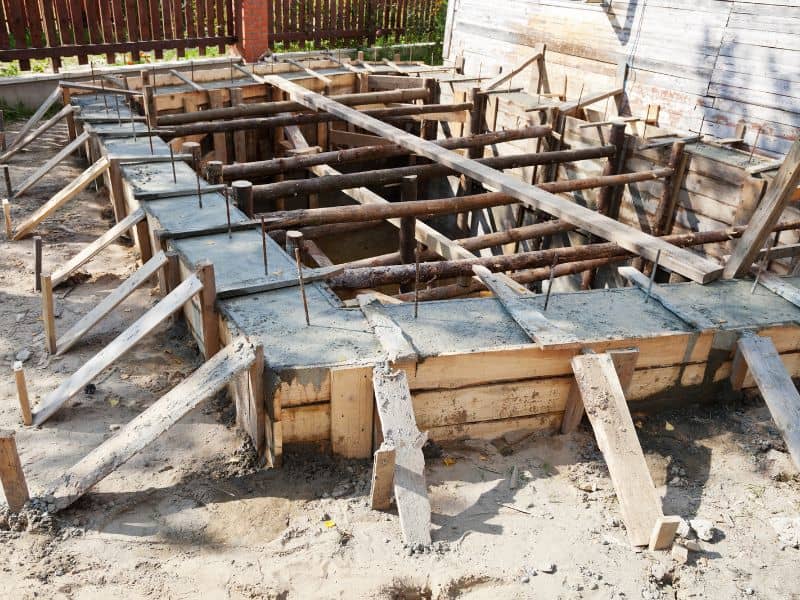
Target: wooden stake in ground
22,393
11,475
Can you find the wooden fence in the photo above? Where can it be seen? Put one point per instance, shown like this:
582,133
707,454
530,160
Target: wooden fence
58,28
322,21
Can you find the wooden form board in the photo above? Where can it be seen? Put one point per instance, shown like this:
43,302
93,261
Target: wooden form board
613,426
399,427
206,381
351,412
677,259
119,346
759,355
11,475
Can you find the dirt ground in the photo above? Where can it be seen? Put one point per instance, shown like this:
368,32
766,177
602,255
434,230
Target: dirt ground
531,517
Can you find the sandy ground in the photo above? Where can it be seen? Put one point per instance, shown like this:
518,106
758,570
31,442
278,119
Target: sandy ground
189,517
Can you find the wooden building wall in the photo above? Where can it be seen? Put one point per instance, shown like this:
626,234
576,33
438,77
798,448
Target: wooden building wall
715,62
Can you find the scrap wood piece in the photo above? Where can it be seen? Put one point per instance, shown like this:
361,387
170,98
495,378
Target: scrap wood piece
206,381
54,97
11,474
779,286
534,323
759,355
390,335
661,295
186,80
664,532
613,426
94,316
399,427
119,346
62,197
50,164
625,365
766,215
677,259
380,494
86,254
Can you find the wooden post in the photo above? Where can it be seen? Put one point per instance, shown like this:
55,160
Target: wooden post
7,218
243,194
208,309
220,139
239,137
11,475
117,193
37,263
172,273
294,239
22,393
665,215
72,131
48,313
192,148
213,172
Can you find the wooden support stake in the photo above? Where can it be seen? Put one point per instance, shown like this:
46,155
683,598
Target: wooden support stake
208,308
37,263
382,478
664,533
11,475
7,219
48,313
22,393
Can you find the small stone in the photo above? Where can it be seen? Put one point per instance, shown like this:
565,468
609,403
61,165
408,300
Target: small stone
749,591
684,530
658,572
23,355
548,568
693,545
703,528
114,427
89,389
680,553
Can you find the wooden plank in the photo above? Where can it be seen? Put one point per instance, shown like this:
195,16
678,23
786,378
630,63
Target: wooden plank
503,77
776,387
382,478
66,194
206,381
662,296
616,436
186,80
782,288
94,316
22,393
11,475
54,97
119,346
680,260
397,346
399,427
52,162
533,322
216,100
351,411
625,365
766,215
22,142
87,252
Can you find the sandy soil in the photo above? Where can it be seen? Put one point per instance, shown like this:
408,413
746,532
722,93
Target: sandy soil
189,517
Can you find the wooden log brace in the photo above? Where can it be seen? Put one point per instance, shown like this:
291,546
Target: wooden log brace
51,163
262,109
21,143
438,111
371,152
676,259
54,97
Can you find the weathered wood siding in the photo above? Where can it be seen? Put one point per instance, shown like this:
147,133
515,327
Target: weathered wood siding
715,62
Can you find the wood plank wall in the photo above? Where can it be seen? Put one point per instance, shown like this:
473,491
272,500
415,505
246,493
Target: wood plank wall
718,63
